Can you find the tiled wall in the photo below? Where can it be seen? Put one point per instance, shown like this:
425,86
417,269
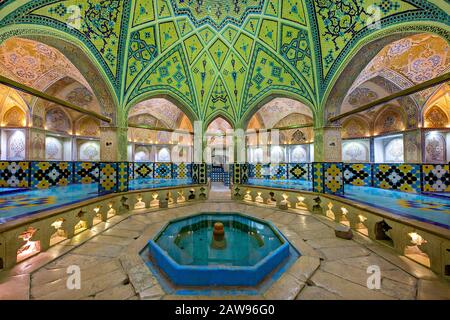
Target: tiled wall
358,174
163,170
333,178
436,177
392,176
143,170
108,182
280,171
45,174
86,172
402,177
317,175
199,173
14,174
299,171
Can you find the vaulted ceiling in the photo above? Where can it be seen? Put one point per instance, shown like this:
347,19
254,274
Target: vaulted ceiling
219,57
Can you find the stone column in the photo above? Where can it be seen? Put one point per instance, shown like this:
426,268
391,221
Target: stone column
327,144
412,144
113,144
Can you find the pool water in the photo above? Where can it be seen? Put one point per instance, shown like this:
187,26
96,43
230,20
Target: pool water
285,184
433,209
16,203
188,241
426,208
138,184
19,204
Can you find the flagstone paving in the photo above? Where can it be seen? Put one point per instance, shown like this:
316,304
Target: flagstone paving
328,269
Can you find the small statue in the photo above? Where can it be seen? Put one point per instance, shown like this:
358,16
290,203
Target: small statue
381,229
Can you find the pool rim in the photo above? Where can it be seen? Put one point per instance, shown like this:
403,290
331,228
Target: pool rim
179,275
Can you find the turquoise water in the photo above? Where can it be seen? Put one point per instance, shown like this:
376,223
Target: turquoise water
426,208
138,184
422,207
16,203
285,184
188,241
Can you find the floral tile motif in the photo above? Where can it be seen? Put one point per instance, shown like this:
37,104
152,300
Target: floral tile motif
333,181
143,170
86,172
402,177
180,171
199,173
436,178
298,171
317,177
358,174
163,170
122,178
14,174
50,174
108,177
278,171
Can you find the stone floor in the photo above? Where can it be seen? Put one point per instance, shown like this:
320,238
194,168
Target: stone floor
329,268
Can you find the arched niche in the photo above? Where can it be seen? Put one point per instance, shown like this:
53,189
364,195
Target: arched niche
14,117
88,127
56,119
435,147
13,145
389,119
299,154
399,56
356,151
142,154
163,155
89,151
355,127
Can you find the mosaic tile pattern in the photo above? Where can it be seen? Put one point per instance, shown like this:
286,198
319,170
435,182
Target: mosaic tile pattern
47,174
163,170
259,171
333,180
14,174
240,173
317,177
122,176
216,174
180,170
436,177
143,170
298,171
358,174
108,177
131,170
278,171
402,177
86,172
251,170
199,173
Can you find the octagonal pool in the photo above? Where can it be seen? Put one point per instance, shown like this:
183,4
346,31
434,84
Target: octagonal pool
218,249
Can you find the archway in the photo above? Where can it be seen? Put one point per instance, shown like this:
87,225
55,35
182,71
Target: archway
36,63
159,131
281,131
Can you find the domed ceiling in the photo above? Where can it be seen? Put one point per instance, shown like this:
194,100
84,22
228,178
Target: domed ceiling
218,57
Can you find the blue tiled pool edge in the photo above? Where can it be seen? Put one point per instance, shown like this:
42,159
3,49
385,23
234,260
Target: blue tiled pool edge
217,275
